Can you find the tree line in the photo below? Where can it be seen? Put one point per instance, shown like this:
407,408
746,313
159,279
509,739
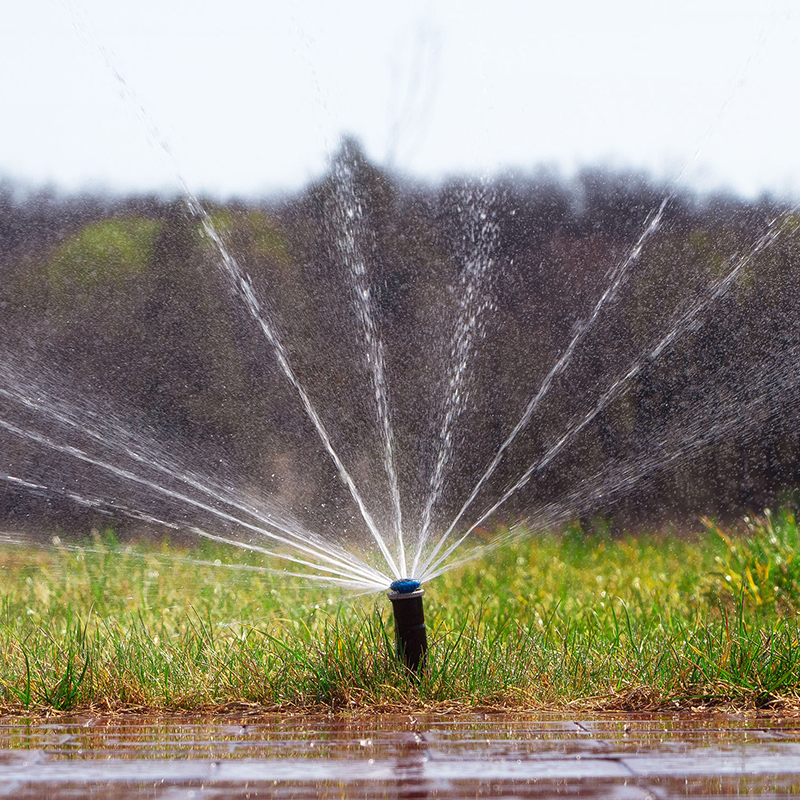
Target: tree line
677,398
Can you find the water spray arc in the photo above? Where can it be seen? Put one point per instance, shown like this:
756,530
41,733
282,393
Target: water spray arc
403,563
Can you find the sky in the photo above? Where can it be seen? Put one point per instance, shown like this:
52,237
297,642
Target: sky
250,98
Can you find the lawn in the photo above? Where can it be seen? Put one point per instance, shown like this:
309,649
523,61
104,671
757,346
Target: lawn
553,620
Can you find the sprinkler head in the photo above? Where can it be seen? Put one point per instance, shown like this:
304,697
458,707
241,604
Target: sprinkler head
411,638
405,586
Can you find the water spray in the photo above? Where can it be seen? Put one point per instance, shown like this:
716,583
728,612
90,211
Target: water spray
411,638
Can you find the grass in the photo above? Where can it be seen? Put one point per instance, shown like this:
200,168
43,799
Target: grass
642,622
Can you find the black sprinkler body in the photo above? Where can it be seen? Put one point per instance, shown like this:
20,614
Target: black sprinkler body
411,638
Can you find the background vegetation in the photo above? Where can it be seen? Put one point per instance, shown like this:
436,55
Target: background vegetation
120,305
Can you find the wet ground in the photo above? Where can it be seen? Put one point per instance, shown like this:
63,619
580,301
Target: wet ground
400,756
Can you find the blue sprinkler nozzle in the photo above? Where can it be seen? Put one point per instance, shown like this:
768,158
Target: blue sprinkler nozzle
405,586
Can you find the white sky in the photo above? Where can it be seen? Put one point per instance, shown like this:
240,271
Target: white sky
251,96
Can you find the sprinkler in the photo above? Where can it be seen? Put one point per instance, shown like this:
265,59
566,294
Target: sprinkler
409,623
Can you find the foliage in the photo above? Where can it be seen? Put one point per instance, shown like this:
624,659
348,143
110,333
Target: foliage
764,565
253,230
127,297
127,301
103,252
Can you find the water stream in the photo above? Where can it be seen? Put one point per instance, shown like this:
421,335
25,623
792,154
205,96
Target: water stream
413,539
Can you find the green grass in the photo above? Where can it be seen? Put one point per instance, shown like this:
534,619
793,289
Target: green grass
638,622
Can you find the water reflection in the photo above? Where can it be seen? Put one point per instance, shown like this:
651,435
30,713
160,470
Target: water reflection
411,759
396,756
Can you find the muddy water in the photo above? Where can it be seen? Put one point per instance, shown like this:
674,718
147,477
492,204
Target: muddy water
520,756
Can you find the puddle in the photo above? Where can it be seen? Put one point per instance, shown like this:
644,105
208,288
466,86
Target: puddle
398,756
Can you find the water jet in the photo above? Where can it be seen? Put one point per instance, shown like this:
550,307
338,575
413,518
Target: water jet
329,370
411,638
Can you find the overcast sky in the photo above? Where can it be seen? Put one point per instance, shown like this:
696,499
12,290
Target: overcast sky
251,96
